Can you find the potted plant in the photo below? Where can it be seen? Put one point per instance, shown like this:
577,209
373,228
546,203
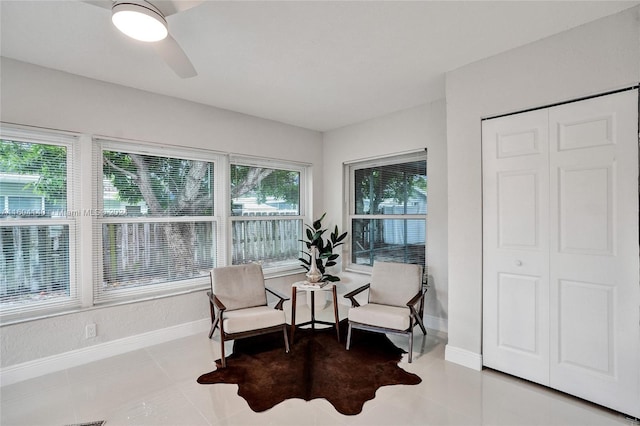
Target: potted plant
324,245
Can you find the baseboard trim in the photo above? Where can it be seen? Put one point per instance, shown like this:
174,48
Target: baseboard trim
463,357
39,367
436,323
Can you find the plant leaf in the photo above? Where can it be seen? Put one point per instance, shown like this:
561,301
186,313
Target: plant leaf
317,235
317,224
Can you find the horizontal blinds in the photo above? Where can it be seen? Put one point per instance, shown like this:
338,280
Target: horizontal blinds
155,231
39,223
266,216
388,209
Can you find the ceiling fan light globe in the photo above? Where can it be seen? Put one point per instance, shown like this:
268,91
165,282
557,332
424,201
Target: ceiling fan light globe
139,22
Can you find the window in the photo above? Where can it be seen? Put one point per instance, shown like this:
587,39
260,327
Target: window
38,223
266,216
153,222
387,210
155,230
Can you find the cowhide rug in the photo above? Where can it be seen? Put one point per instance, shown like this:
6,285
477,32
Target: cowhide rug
318,366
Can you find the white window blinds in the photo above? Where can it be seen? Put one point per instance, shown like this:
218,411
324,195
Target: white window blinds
388,210
155,230
266,202
38,223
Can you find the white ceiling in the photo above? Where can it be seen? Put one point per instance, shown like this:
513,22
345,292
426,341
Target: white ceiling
318,65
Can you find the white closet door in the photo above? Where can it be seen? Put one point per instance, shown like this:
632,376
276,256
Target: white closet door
515,245
594,280
561,280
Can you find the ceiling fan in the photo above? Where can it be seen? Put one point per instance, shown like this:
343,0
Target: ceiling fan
146,21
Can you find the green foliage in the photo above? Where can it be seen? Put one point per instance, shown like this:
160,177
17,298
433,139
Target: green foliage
166,182
49,162
113,166
326,257
263,182
166,178
388,182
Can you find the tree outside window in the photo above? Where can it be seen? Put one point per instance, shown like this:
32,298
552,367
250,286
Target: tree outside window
388,210
266,220
37,226
156,223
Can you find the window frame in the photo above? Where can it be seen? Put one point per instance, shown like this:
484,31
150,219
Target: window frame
70,216
350,214
165,289
304,170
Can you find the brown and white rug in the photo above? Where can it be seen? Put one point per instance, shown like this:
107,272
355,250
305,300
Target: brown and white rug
317,367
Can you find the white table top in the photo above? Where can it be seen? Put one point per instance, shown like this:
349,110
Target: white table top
305,285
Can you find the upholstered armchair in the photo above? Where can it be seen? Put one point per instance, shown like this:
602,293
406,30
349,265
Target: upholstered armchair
395,298
238,304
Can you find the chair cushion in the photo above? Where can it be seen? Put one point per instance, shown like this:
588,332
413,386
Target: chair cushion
385,316
252,319
239,286
394,283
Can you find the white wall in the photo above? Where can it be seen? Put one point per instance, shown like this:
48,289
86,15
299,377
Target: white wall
597,57
35,96
412,129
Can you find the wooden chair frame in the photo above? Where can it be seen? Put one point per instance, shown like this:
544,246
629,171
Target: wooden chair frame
415,317
217,309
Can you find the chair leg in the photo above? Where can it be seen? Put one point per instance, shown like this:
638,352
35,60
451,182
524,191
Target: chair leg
418,318
410,345
223,361
214,324
349,337
286,338
214,319
421,324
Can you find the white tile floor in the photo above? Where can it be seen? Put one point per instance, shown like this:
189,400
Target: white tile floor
157,386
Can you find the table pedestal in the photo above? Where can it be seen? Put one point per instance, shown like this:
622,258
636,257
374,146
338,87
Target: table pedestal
306,287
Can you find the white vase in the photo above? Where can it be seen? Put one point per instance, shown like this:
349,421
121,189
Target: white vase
314,275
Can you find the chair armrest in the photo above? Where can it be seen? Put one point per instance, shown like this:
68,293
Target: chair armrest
279,295
415,299
351,295
216,302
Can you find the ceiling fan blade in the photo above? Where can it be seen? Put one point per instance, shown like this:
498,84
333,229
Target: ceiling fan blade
174,56
167,7
171,7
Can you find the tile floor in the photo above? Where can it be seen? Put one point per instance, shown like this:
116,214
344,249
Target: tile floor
157,386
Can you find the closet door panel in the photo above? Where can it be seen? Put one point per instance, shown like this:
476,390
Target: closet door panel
594,281
515,220
585,215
